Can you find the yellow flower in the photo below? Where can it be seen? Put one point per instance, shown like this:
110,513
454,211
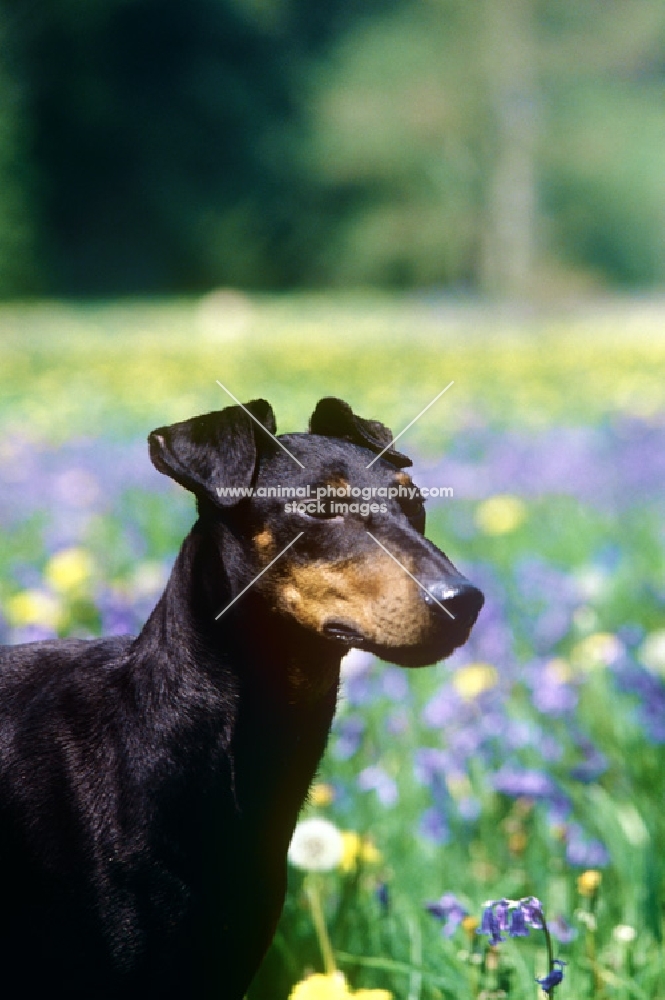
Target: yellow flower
69,570
320,987
355,849
472,680
34,607
469,925
333,987
595,650
500,514
321,794
588,882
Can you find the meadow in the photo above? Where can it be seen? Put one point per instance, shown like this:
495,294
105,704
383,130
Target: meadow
531,763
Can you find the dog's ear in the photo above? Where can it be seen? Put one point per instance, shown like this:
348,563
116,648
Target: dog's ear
335,418
214,450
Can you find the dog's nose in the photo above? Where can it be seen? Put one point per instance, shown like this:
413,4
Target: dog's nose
461,600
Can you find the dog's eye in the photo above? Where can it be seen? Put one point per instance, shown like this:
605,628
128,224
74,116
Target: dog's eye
323,509
320,509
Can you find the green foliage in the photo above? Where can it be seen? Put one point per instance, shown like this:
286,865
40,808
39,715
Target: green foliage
166,145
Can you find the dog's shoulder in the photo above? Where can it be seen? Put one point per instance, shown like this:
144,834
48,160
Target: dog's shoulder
52,660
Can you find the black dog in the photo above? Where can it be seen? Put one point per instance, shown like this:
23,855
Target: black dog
149,786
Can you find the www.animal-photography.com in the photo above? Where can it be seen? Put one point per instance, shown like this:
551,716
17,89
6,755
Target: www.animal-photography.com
332,424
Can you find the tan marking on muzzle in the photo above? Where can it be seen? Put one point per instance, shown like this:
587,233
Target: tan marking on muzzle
373,595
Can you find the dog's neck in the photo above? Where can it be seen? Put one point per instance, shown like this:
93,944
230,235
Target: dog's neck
254,668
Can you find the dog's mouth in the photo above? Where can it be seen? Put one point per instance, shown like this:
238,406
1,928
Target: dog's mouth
344,633
420,655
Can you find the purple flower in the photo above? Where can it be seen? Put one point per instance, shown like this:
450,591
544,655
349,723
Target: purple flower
553,978
561,930
450,910
513,916
591,768
582,852
442,709
533,912
349,737
518,927
517,782
489,924
375,779
433,826
395,684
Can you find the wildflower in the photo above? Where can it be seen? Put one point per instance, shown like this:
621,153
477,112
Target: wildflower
518,781
652,652
473,679
588,882
350,733
375,779
434,827
518,927
624,933
357,849
316,846
553,978
69,570
500,514
320,987
333,986
321,794
489,924
596,650
562,930
513,916
517,916
450,910
34,607
533,912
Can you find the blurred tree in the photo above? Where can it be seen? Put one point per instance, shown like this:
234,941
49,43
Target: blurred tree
490,144
170,145
17,275
508,64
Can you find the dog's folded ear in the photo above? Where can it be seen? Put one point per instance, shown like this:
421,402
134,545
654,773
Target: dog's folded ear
214,455
335,418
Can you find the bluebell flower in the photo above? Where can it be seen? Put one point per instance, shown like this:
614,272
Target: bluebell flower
518,927
512,916
490,925
533,912
450,910
553,978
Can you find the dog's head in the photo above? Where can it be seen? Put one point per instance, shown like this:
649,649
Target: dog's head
329,525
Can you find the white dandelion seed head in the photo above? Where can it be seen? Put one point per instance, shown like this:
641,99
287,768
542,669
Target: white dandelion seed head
316,846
